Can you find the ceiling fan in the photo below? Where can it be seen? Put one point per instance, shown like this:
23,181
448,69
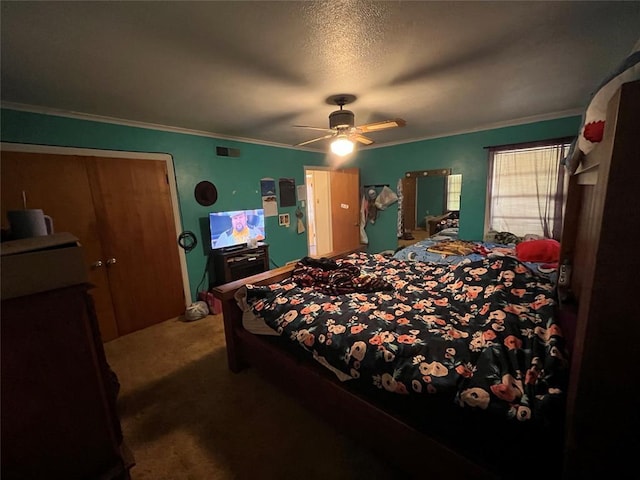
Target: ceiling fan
342,127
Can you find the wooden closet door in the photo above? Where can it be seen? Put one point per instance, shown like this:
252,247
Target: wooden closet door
345,209
58,184
132,200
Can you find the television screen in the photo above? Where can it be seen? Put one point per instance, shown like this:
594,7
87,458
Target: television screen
236,227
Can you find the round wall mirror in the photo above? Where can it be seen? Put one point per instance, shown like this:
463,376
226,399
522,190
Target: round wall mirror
206,193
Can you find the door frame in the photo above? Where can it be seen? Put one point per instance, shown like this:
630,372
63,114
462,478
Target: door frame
327,234
90,152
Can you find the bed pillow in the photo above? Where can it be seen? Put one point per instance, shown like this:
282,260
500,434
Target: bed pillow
546,250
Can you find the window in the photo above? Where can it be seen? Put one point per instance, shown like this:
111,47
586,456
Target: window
527,188
454,188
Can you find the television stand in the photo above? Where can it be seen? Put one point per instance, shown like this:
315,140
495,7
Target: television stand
229,265
233,248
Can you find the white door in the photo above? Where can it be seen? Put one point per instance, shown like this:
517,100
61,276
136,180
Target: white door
319,237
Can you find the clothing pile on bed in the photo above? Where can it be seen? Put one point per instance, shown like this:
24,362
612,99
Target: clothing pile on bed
327,276
453,247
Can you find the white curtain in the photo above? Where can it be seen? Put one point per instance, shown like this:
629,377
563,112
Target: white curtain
527,191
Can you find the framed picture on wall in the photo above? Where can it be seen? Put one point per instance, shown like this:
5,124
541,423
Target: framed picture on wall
283,219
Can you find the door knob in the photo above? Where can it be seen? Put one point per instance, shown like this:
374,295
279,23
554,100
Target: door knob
97,264
111,261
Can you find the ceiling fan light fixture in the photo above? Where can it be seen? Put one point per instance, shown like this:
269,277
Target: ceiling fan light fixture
342,129
342,146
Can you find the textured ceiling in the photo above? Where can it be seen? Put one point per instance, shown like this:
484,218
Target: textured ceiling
252,70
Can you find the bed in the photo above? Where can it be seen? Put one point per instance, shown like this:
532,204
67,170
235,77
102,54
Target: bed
578,419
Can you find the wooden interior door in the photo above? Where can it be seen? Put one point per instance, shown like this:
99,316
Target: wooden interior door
59,185
132,200
345,209
320,228
119,209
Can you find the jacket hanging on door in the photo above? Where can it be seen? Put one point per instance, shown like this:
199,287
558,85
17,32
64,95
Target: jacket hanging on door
372,210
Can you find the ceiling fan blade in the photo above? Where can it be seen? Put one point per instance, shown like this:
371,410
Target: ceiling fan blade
314,140
362,139
374,127
314,128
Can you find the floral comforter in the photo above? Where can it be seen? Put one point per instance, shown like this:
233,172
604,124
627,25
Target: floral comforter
481,333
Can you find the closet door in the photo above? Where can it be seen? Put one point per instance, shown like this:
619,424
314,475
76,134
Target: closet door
345,209
58,184
132,200
120,209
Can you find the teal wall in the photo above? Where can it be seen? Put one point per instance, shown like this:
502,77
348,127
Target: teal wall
238,178
465,154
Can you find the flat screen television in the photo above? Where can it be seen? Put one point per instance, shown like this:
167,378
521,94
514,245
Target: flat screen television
236,228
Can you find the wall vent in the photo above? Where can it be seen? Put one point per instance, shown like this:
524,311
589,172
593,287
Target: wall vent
227,152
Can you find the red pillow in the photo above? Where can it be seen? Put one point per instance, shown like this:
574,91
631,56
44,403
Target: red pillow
546,250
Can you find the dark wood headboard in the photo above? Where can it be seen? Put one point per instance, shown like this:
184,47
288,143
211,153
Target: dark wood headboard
600,241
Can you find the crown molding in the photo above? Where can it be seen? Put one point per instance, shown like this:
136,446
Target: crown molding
186,131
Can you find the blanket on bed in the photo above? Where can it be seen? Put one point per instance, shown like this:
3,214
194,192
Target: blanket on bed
482,334
329,277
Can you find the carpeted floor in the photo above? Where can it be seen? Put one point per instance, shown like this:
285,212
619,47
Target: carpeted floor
184,415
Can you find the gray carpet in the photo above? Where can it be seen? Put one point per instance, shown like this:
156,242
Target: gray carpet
185,416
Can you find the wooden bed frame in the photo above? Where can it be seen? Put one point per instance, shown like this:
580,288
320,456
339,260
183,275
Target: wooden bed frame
602,410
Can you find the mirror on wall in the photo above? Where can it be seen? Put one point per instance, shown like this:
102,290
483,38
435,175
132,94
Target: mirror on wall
429,197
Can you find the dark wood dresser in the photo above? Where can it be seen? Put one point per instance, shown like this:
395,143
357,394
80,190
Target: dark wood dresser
59,418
